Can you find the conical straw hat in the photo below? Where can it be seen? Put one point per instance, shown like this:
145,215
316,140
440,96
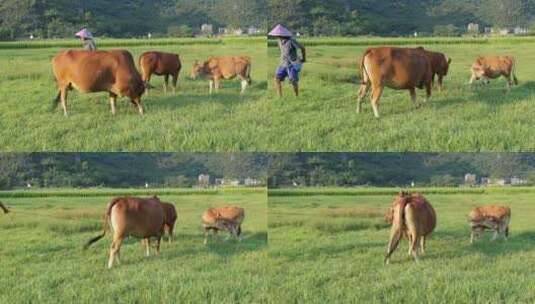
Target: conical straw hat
84,33
280,31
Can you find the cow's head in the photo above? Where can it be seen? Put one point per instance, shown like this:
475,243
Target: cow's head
197,69
479,71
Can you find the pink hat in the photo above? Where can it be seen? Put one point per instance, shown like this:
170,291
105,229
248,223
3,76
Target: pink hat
280,31
84,33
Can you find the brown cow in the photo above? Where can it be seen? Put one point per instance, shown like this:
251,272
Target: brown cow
132,216
225,67
170,217
440,64
495,218
396,68
4,208
492,67
414,217
161,64
98,71
223,218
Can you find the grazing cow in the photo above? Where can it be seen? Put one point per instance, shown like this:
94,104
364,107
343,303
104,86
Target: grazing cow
223,218
161,64
440,64
132,216
4,208
98,71
495,218
414,217
170,217
396,68
225,67
492,67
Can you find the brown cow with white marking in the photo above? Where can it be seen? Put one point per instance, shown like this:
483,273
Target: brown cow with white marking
161,64
414,217
226,67
132,216
223,218
98,71
492,67
494,218
396,68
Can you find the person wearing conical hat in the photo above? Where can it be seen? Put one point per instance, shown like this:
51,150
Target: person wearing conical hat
290,63
87,39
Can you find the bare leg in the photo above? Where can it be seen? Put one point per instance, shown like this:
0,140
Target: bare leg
278,87
296,88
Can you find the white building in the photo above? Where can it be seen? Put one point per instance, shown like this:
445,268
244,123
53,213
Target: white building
203,180
207,29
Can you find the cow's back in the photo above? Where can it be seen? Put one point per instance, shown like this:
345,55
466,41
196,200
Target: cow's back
160,63
138,217
424,212
229,66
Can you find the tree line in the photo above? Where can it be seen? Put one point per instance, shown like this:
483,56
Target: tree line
398,17
395,169
117,170
125,18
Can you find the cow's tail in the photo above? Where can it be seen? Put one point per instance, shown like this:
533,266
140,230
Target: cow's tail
364,75
515,80
105,224
398,222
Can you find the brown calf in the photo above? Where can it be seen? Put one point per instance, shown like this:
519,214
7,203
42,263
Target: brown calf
414,217
223,218
161,64
495,218
396,68
225,67
132,216
492,67
170,217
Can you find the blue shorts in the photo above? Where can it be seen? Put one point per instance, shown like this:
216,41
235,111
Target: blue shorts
292,72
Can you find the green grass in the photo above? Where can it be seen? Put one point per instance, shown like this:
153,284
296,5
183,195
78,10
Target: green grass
191,120
42,260
326,249
461,118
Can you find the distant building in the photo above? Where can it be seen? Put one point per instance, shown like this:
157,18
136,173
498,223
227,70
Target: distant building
203,180
520,30
253,31
222,31
251,182
488,30
207,29
470,179
473,28
238,32
516,181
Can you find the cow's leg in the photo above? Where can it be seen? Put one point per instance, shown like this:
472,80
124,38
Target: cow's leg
440,78
422,245
63,97
363,91
414,247
165,83
137,102
211,83
147,84
244,83
472,234
147,247
205,235
495,235
377,91
113,99
175,81
171,228
158,242
509,82
217,84
428,88
115,247
413,96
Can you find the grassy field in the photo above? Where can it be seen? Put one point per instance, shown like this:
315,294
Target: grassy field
191,120
460,118
330,248
41,256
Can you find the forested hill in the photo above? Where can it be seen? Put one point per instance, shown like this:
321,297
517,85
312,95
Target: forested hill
398,17
125,18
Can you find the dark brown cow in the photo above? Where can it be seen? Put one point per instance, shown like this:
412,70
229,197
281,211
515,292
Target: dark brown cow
170,217
440,64
98,71
414,217
223,218
225,67
4,208
132,216
161,64
492,67
495,218
396,68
